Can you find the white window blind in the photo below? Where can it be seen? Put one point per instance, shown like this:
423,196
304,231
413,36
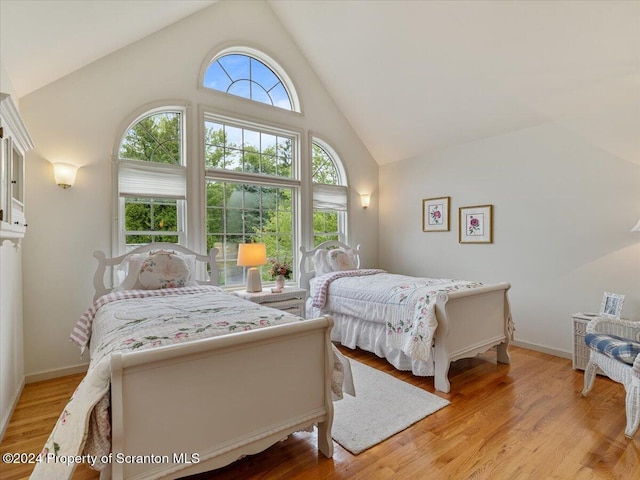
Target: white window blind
136,179
329,197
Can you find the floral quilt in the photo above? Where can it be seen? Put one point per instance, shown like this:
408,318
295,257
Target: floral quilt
406,305
138,320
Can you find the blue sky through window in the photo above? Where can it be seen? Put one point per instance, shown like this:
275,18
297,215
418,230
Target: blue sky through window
247,77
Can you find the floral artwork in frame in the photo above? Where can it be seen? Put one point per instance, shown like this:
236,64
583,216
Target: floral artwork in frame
611,305
435,214
475,224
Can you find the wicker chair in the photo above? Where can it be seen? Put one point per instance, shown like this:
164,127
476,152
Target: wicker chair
608,332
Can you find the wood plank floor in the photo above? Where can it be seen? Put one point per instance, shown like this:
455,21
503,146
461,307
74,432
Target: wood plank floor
526,420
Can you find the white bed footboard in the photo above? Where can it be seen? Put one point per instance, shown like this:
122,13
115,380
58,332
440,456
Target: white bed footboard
212,401
471,322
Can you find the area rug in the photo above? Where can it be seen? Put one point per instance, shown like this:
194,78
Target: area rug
382,407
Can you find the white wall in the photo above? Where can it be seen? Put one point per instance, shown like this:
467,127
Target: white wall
563,210
75,119
11,345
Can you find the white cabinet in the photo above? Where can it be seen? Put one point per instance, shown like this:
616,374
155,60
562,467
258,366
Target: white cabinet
14,143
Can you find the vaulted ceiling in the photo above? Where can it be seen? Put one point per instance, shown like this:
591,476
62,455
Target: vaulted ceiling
410,76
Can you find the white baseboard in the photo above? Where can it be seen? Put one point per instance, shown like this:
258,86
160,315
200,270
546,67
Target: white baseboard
14,402
540,348
59,372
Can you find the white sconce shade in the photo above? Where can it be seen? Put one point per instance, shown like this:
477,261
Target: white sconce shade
252,255
365,199
65,174
637,227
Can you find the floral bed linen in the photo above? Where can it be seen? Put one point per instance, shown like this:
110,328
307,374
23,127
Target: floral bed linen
405,305
137,320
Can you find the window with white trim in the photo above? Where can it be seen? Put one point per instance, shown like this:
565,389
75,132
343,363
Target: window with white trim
329,195
251,74
252,185
152,180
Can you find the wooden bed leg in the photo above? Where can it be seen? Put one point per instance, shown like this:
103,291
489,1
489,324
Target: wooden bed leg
503,353
325,442
441,378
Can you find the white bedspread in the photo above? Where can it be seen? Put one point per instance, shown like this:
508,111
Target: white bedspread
150,320
405,305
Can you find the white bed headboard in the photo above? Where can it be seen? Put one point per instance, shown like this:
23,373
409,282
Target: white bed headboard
101,288
306,260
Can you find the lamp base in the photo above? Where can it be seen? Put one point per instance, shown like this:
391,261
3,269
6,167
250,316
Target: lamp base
254,283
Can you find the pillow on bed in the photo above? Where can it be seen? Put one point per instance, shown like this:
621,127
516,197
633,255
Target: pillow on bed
340,259
164,269
132,268
321,263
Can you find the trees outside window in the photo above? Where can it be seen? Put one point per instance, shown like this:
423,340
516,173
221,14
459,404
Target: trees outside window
251,192
329,195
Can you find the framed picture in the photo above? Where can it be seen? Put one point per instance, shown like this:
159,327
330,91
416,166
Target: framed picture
611,305
475,224
435,214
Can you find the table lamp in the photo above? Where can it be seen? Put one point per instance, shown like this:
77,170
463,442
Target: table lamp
252,255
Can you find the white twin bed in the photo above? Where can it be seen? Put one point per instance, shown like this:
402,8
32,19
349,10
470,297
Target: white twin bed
417,324
193,377
186,378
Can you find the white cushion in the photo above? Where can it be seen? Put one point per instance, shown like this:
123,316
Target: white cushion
132,265
341,259
164,270
321,263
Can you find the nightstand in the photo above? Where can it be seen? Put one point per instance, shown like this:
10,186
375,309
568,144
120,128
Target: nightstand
580,349
290,299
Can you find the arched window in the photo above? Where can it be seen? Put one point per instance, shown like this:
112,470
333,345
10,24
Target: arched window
329,195
251,74
151,173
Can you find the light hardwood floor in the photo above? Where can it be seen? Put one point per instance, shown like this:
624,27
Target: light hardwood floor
526,420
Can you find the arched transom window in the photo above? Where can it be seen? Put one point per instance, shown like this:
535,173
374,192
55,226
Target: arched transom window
251,74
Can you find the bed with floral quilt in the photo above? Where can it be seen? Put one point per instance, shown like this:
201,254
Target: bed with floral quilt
187,379
417,324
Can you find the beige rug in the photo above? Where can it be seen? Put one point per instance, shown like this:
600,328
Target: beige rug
382,407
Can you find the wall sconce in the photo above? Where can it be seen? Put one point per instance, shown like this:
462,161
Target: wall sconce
637,227
252,255
365,199
65,174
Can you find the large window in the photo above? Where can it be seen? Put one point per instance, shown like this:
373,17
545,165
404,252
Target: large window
251,191
151,180
245,177
329,195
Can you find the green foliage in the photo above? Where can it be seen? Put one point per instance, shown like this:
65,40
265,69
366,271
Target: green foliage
324,170
155,138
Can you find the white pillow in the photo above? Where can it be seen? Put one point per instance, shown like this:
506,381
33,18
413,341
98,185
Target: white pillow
341,259
133,264
130,268
164,270
321,263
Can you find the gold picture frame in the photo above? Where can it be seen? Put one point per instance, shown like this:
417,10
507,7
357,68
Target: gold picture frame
435,214
475,224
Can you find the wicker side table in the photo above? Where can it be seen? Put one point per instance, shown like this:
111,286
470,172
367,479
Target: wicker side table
580,349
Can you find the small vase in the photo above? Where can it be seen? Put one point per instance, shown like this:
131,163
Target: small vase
280,282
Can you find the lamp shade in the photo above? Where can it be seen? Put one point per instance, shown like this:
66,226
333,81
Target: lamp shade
65,174
637,227
365,199
252,254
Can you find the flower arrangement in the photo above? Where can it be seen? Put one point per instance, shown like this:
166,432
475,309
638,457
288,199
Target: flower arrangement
280,268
